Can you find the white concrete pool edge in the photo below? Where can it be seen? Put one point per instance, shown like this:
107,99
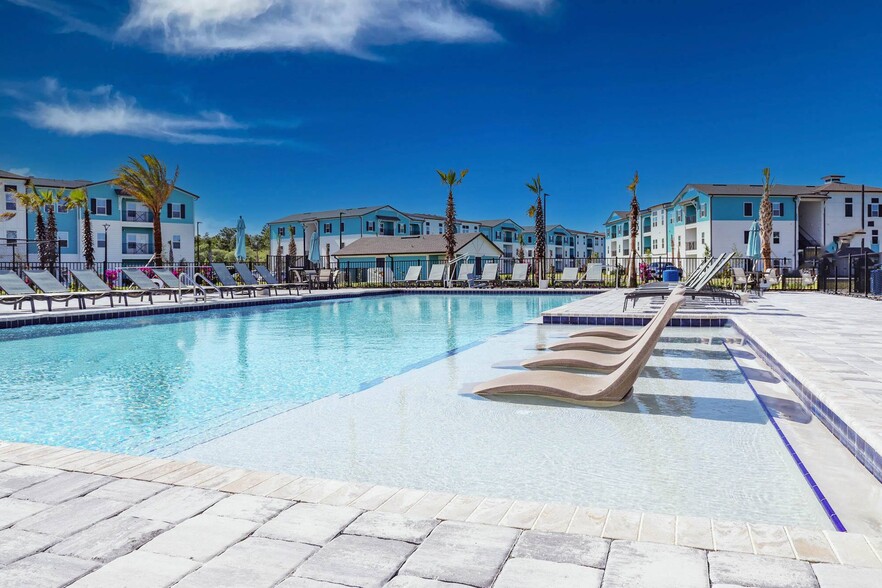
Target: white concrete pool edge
707,534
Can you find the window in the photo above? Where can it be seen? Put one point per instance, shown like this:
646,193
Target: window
849,208
100,206
327,228
281,231
498,235
746,236
100,241
748,209
679,214
62,239
530,239
873,207
11,237
702,238
777,209
441,228
175,210
402,227
10,197
342,227
370,226
655,243
662,243
703,211
176,242
874,238
776,237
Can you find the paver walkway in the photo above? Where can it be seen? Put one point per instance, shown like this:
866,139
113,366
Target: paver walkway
72,528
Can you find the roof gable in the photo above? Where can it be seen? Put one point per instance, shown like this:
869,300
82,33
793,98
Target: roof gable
416,245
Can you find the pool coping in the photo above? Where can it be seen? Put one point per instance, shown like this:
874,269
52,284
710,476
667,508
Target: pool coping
797,543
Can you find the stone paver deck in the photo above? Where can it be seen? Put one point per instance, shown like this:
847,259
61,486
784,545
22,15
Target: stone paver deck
62,524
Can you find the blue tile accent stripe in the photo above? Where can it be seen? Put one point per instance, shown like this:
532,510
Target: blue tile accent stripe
628,321
831,514
867,455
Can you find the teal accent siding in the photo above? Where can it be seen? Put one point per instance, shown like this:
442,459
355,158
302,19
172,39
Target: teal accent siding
732,207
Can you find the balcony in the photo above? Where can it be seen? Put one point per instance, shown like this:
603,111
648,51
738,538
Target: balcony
137,216
691,219
507,238
137,249
691,246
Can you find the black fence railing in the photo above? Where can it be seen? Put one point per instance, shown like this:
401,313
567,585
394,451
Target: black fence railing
859,274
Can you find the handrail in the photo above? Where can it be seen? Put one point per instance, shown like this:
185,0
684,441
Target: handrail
207,283
195,287
452,263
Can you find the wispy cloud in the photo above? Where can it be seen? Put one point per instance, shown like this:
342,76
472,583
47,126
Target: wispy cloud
354,27
105,111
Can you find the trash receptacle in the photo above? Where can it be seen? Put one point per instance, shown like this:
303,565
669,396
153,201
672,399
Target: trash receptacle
876,282
671,275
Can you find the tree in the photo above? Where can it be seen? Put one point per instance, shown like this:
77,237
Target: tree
633,220
148,183
766,220
520,251
538,215
31,201
451,179
292,242
79,199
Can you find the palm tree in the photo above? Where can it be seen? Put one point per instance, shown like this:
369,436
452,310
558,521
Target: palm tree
633,219
51,198
451,179
149,184
79,198
520,251
538,214
292,244
766,220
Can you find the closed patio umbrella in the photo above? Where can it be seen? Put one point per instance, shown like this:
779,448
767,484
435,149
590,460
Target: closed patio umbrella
753,241
241,253
314,253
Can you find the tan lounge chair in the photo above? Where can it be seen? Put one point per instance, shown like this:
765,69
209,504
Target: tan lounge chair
597,361
599,391
462,277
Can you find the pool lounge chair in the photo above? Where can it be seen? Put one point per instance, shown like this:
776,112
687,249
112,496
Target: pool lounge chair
436,275
518,275
488,278
596,361
170,280
593,274
327,278
145,284
248,279
411,278
462,277
228,283
58,292
599,391
620,333
569,277
89,280
740,279
268,277
15,292
694,288
703,268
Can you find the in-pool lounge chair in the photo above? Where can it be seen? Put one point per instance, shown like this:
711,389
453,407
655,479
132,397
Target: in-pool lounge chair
436,275
462,277
597,361
248,279
488,278
170,280
49,284
569,278
518,275
411,278
140,280
599,391
268,278
228,283
15,292
89,280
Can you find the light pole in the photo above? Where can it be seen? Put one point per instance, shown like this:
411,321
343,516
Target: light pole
341,231
545,230
106,227
197,241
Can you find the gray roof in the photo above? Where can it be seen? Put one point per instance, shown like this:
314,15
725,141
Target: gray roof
308,216
532,228
418,245
436,217
748,189
45,182
842,187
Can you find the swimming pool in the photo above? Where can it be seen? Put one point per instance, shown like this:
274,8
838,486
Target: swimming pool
377,389
159,384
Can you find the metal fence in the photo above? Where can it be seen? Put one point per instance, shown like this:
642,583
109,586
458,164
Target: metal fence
859,274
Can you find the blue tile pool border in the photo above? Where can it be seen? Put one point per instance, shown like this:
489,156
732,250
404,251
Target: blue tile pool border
866,454
63,317
816,490
631,321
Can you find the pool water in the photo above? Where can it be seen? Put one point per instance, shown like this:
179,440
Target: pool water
160,384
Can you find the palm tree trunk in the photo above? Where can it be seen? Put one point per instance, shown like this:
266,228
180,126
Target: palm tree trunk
766,233
157,234
450,227
88,244
41,237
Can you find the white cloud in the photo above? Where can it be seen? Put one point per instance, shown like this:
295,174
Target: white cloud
22,171
342,26
103,111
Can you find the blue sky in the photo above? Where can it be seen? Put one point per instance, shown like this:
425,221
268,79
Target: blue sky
272,107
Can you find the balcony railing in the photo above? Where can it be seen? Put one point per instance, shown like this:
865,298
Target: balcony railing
691,246
507,238
136,216
690,219
137,248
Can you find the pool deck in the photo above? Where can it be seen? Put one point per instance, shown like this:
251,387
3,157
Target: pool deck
88,518
85,518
